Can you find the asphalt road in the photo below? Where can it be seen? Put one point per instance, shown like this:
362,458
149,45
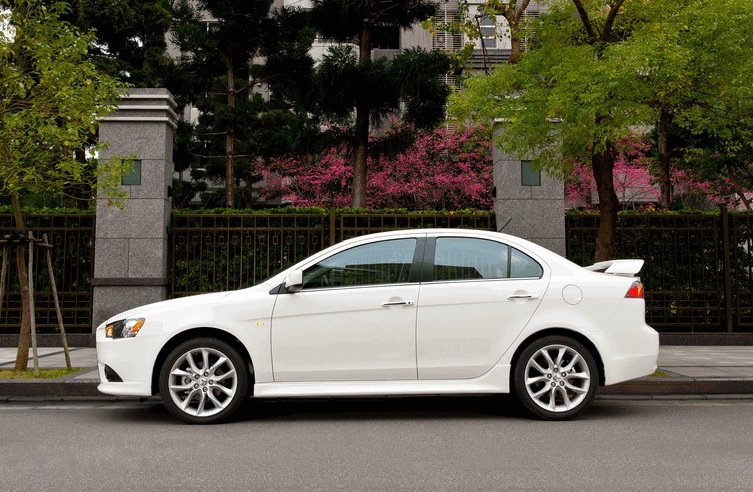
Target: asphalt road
385,445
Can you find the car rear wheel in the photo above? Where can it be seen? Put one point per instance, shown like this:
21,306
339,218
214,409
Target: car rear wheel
556,377
203,381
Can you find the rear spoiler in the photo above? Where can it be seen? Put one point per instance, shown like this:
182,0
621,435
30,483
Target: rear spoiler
624,268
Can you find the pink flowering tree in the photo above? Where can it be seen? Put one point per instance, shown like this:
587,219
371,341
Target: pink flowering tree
632,180
443,169
722,191
635,184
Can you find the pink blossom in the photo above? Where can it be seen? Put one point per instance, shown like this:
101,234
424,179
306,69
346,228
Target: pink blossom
443,169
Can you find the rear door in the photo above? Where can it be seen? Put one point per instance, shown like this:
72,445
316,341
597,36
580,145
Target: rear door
477,295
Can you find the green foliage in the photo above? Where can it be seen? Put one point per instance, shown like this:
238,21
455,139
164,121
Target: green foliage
693,63
52,97
131,38
353,83
559,79
221,76
31,209
246,211
691,58
594,72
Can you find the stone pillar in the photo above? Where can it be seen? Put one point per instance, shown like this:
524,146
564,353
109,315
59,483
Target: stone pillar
131,245
528,203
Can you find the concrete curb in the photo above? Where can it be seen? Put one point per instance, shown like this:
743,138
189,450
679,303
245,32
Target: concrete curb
675,387
681,386
49,389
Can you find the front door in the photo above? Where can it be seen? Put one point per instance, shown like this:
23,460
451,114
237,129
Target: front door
354,318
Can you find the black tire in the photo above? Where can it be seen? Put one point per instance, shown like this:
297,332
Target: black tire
555,378
203,381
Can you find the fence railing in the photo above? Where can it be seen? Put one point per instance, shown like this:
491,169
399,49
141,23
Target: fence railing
684,273
221,252
73,264
698,272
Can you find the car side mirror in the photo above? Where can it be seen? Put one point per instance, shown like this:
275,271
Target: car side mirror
294,281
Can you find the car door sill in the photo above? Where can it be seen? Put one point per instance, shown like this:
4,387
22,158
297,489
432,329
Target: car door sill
494,381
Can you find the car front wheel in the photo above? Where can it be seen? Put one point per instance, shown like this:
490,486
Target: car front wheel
203,381
556,377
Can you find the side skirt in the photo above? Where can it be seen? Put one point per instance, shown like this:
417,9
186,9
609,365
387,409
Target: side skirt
495,381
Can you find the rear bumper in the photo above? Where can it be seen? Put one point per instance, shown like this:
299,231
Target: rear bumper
632,358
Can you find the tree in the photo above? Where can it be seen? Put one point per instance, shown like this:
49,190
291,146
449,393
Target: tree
632,180
511,10
696,63
218,80
131,43
441,169
131,38
350,81
571,73
51,97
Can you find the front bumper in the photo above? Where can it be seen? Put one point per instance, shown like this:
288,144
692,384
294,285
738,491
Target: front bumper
130,362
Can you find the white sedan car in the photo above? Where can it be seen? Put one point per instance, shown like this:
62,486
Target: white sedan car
415,312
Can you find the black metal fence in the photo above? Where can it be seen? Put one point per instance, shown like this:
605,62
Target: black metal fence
73,264
698,272
222,252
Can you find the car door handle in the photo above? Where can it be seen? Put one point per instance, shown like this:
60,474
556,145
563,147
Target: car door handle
397,303
522,296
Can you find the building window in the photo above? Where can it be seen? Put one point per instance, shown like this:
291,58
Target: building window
488,31
529,175
386,37
133,176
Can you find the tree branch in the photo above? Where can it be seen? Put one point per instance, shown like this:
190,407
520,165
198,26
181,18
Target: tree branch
606,35
586,21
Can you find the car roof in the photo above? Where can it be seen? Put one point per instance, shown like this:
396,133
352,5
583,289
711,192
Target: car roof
553,260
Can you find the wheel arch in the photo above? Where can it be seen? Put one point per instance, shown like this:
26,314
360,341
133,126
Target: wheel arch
561,332
198,333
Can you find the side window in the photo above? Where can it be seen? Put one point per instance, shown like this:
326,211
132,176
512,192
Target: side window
385,262
466,259
523,266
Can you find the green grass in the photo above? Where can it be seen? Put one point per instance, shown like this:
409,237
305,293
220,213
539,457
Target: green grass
43,373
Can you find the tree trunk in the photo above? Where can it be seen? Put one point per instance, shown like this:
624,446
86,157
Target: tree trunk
515,41
603,169
514,50
230,136
22,356
662,172
360,152
363,110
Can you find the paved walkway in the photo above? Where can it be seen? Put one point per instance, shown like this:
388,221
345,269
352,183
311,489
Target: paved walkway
683,370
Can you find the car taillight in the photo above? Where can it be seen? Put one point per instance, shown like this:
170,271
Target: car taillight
635,291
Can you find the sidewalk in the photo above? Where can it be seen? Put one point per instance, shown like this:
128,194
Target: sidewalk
683,371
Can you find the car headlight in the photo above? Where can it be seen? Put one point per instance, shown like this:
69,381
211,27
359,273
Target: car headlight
124,328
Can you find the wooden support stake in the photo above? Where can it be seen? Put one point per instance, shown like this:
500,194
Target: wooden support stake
3,271
32,310
53,286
